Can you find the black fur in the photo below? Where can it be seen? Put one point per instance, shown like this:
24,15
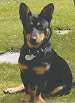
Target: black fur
59,72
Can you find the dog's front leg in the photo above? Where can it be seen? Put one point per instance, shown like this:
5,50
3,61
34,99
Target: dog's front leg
39,99
19,88
28,96
12,90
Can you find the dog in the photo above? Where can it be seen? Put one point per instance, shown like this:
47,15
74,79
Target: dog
43,72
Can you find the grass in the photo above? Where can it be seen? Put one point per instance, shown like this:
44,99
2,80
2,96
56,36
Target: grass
10,77
10,26
11,37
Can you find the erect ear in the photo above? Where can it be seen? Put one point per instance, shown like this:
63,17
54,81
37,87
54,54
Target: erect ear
25,14
47,12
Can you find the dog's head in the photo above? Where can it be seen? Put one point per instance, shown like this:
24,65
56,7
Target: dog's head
36,28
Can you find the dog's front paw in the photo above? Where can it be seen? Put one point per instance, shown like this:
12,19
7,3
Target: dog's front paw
39,99
27,99
9,90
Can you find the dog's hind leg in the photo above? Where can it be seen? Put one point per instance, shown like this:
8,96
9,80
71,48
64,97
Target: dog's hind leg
14,89
57,90
19,88
60,90
39,99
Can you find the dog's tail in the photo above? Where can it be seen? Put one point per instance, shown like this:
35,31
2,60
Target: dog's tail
73,84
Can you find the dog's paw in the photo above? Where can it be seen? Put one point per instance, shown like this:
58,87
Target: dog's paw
39,99
27,99
9,91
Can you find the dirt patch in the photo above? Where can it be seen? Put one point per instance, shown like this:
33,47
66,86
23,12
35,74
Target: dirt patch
10,57
62,32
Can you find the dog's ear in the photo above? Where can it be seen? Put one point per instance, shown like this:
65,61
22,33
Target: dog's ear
47,12
25,14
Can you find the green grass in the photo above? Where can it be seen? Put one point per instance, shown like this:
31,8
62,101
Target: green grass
11,37
10,26
10,77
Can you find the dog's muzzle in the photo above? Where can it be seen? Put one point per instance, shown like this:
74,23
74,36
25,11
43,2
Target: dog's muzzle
35,33
35,38
33,41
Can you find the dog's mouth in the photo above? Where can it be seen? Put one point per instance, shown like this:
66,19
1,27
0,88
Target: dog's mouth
35,41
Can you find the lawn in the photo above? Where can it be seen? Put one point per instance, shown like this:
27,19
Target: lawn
11,37
10,26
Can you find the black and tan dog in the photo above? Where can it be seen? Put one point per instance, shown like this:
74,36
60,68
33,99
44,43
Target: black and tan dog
43,72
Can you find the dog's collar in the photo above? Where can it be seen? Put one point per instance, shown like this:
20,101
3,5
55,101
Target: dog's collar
45,48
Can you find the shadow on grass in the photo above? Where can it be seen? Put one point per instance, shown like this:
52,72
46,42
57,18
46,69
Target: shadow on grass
11,98
15,98
73,85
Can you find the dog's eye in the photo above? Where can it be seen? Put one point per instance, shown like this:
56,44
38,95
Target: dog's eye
47,30
31,23
38,24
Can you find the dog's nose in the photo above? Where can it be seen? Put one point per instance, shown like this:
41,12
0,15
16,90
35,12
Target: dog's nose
35,32
34,37
33,41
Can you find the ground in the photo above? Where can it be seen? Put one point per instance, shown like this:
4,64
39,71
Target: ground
11,37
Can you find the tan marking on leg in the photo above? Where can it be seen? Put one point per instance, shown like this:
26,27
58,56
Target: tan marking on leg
28,97
56,90
25,99
23,67
39,99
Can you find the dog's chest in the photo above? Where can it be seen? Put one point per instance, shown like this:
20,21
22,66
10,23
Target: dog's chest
29,57
32,57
